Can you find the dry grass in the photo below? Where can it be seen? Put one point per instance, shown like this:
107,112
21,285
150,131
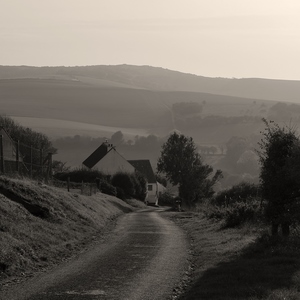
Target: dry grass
41,225
240,263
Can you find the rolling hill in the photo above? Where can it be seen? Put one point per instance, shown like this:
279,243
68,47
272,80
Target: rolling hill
71,104
98,101
152,78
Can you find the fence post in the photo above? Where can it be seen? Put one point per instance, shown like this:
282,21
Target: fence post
31,162
1,154
41,161
68,183
50,165
17,156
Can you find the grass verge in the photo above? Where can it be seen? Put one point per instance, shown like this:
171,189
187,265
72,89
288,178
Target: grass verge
41,226
240,263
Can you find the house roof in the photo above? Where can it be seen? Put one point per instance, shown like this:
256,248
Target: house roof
144,167
96,156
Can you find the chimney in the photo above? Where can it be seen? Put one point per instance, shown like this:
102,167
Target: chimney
108,146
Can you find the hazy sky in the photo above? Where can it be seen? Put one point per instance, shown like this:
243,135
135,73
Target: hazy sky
215,38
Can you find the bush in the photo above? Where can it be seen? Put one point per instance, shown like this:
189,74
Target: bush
140,186
107,188
166,198
240,213
120,193
124,181
236,214
80,175
241,192
128,185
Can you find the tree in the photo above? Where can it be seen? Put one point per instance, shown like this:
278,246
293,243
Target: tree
279,156
117,138
124,181
183,166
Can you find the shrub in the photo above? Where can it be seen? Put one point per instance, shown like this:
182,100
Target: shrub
120,193
80,175
236,214
166,198
240,213
243,191
107,188
140,186
124,181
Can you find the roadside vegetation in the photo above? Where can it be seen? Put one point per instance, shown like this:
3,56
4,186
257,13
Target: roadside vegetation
42,225
245,239
238,251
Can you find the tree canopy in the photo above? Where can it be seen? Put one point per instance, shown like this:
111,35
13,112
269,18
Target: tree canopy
280,175
182,165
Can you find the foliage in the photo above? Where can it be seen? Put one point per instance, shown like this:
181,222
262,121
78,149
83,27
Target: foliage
280,175
117,138
242,191
59,167
236,213
130,185
241,212
183,166
140,186
107,188
124,181
166,198
161,179
120,193
80,175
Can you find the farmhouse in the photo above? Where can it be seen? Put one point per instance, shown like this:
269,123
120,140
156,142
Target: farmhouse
109,161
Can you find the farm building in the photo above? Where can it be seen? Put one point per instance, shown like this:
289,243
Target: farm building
107,160
144,167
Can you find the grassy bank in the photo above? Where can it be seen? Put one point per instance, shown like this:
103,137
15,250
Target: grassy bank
240,263
41,226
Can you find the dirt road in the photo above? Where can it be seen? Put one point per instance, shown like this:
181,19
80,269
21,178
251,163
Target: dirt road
144,258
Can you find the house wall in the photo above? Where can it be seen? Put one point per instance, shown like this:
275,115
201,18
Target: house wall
112,163
152,193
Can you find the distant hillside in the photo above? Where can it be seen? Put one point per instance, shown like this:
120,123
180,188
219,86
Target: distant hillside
151,78
60,107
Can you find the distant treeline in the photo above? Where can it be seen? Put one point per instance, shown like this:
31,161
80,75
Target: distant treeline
189,115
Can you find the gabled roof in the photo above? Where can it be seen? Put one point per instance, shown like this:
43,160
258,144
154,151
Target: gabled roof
144,167
96,156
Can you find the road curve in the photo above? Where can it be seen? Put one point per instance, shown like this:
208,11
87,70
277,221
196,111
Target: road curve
144,258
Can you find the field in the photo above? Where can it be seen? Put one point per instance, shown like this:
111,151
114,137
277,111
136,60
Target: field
60,128
69,107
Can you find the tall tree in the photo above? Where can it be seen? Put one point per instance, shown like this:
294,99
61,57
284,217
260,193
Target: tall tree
280,175
183,166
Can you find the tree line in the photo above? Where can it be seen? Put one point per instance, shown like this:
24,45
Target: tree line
279,174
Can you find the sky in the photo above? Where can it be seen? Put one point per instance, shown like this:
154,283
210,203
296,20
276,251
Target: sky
213,38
